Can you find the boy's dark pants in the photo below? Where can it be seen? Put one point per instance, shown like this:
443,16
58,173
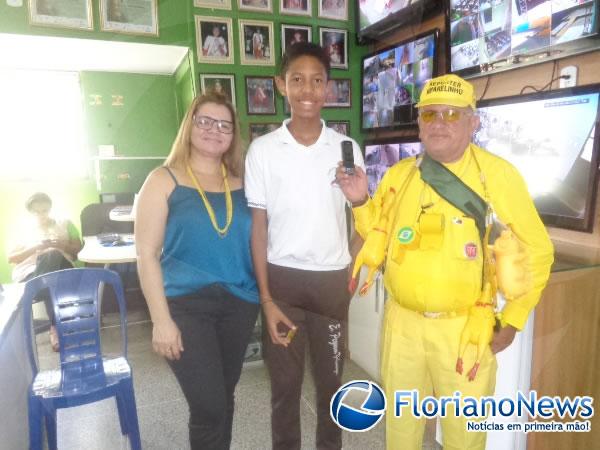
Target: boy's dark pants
317,303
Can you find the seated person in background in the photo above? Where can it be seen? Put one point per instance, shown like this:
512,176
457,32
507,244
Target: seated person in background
45,246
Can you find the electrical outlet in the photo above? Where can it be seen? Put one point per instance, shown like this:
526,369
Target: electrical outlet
572,81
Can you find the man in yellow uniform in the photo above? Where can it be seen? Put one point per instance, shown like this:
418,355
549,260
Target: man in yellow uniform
443,203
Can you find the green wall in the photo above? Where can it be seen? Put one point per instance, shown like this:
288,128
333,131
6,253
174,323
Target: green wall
185,85
137,114
153,105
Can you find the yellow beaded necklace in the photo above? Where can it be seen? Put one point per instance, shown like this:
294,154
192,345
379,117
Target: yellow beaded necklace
211,213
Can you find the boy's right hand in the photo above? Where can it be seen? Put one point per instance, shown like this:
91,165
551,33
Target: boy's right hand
354,187
273,317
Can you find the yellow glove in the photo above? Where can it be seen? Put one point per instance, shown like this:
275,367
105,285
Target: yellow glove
372,253
478,330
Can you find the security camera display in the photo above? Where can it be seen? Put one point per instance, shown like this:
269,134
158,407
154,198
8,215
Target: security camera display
392,80
551,139
488,31
380,156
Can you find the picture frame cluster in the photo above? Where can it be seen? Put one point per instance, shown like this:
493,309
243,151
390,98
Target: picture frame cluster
221,40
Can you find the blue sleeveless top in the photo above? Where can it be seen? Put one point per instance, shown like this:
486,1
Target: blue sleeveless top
194,256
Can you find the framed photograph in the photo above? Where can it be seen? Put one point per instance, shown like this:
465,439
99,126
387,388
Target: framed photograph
260,94
219,83
291,34
62,13
335,43
255,5
258,129
341,126
333,9
338,94
129,16
213,40
256,43
213,4
295,7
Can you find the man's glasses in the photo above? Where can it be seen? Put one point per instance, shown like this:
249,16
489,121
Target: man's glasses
206,123
448,115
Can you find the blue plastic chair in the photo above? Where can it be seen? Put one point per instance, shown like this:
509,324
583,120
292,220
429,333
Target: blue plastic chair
84,375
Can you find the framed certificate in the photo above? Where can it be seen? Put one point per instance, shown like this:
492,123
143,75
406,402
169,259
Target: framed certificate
213,4
62,13
129,16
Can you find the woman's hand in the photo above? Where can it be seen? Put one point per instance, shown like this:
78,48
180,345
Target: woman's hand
273,317
166,339
354,187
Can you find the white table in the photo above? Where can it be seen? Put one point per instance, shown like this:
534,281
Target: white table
94,252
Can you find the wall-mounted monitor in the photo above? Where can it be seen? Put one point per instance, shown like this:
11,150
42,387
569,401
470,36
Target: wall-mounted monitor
392,80
493,35
552,139
375,18
381,154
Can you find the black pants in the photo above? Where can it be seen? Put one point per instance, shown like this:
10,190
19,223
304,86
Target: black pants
47,262
317,303
215,328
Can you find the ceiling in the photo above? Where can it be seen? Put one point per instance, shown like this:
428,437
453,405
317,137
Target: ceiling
69,54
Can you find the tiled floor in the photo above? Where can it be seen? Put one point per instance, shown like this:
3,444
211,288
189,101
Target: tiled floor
162,410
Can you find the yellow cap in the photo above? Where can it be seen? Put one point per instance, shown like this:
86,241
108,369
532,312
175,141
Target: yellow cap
448,90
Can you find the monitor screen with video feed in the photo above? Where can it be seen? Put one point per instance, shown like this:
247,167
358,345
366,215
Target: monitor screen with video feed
392,80
484,32
551,138
382,154
375,18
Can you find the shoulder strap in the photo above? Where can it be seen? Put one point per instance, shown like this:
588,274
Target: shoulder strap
172,175
454,191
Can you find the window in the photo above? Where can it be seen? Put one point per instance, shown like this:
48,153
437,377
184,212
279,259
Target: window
41,118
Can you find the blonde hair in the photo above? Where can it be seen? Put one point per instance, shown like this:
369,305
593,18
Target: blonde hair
180,153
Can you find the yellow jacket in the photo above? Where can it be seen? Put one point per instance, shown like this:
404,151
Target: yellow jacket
441,268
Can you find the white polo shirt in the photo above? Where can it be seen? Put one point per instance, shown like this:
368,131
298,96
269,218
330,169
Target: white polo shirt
293,183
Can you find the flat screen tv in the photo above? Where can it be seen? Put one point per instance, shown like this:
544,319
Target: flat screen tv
375,18
381,154
552,139
492,35
392,80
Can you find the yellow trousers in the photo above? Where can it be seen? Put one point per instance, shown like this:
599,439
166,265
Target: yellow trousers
420,353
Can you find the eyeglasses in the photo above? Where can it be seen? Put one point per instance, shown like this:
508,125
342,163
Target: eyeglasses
448,115
206,123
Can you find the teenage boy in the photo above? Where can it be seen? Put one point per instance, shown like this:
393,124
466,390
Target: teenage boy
300,248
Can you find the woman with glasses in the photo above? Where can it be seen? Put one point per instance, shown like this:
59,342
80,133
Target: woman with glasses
45,245
192,236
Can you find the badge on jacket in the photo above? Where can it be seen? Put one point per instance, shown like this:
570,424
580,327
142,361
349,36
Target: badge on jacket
471,250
